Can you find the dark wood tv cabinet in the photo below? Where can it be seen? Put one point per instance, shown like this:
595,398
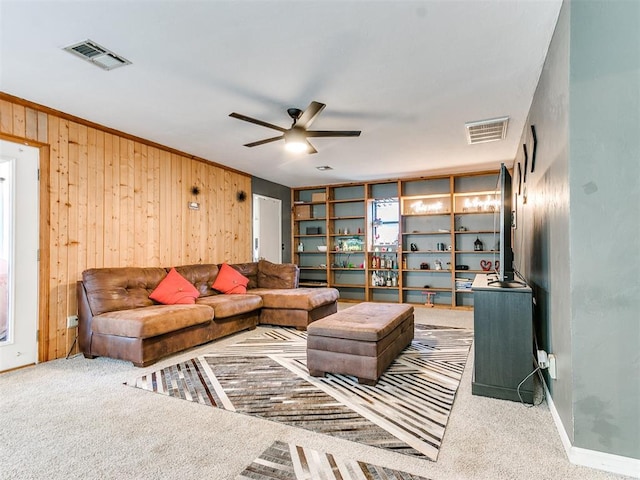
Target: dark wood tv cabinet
503,340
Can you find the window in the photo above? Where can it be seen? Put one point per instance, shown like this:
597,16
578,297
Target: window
386,222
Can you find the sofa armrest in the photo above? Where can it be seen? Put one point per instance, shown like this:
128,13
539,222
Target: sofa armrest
85,318
273,275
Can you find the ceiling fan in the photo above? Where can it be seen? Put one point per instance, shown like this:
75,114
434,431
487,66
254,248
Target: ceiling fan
295,137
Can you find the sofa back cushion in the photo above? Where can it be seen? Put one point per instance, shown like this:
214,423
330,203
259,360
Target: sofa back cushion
112,289
249,270
204,275
201,276
275,275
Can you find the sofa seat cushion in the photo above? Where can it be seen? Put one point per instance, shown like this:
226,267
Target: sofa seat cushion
296,298
147,322
229,305
369,322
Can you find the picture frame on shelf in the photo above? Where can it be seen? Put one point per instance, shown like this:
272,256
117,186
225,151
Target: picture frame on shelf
535,148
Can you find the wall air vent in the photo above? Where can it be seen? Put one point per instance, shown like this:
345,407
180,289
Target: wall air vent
487,130
98,55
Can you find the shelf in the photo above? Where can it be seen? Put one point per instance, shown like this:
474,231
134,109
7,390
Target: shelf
421,289
429,252
347,200
477,251
313,284
430,270
431,212
446,214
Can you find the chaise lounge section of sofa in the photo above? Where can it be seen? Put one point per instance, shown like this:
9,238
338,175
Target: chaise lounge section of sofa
117,318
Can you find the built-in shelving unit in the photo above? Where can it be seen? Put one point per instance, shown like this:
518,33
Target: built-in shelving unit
397,240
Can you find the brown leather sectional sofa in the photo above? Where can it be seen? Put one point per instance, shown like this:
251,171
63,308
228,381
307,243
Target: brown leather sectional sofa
118,320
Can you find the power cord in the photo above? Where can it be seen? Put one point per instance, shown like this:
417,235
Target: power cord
537,370
71,349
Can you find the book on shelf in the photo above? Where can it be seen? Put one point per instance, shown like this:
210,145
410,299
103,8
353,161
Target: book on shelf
463,283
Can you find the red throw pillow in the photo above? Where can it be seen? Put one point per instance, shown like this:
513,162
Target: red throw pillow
175,289
229,280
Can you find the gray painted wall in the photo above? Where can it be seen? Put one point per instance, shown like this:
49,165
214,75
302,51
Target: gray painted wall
542,238
275,190
604,173
578,236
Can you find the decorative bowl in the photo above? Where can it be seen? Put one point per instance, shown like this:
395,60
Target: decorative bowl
322,248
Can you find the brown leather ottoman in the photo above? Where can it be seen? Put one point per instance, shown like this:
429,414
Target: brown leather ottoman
361,340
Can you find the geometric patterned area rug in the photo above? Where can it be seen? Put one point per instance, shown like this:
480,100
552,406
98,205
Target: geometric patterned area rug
286,461
266,376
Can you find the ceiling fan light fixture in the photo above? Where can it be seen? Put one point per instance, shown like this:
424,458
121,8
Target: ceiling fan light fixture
295,141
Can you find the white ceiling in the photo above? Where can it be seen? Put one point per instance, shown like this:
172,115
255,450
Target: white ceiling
408,74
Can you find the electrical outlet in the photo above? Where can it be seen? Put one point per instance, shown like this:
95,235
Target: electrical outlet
553,373
72,321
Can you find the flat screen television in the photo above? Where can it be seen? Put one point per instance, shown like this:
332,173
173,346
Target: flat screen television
505,270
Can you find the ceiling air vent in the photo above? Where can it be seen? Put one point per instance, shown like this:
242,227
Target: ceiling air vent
487,130
98,55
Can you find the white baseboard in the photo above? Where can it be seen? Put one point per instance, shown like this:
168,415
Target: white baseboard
592,458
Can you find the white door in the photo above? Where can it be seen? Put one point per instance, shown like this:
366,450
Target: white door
267,228
18,255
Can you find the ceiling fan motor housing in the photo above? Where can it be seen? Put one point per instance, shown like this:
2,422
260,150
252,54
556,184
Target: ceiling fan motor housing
294,113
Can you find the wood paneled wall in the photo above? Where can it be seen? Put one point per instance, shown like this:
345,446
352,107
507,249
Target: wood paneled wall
114,200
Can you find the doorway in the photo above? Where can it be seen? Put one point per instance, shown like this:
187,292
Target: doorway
267,228
19,201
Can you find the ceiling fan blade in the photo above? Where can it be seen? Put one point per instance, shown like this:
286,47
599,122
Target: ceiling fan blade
310,114
332,133
310,148
257,122
262,142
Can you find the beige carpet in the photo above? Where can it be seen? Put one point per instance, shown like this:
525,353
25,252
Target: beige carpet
75,419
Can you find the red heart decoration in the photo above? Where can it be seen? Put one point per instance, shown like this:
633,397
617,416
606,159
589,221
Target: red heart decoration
485,265
497,264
